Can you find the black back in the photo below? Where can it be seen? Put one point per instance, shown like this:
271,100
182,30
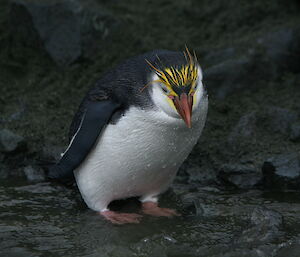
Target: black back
123,84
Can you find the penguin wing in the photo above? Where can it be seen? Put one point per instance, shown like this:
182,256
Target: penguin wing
95,117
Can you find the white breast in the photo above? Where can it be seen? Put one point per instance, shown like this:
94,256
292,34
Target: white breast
138,156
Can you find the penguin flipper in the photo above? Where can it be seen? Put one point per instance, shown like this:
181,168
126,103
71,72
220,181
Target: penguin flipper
96,116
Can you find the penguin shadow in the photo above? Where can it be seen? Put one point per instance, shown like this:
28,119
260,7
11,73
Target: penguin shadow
126,205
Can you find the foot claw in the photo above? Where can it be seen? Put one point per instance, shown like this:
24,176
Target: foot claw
121,218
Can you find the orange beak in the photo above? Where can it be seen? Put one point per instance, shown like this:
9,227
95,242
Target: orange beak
184,104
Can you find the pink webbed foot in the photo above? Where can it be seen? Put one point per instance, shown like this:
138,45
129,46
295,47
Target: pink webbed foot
121,218
151,208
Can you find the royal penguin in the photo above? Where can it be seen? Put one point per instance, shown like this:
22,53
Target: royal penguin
133,130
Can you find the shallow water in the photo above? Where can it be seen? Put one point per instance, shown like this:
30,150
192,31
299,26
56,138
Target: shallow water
44,219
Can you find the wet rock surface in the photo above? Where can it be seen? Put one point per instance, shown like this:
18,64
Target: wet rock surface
231,224
265,227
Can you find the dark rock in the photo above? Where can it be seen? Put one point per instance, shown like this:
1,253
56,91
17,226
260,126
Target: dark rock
242,176
66,29
275,54
245,129
278,120
282,172
229,76
203,175
3,171
266,226
295,132
52,153
291,250
282,49
271,119
198,168
34,174
208,204
194,204
262,216
9,141
240,143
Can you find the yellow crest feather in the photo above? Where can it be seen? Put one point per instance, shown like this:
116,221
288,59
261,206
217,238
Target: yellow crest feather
183,76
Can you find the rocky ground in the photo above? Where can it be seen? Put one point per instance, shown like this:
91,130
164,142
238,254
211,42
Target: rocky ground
51,53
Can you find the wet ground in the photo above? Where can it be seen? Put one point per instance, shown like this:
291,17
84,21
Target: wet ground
44,219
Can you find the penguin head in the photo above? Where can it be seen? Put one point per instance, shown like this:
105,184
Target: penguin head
178,90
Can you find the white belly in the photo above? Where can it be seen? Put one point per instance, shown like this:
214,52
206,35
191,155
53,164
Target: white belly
138,156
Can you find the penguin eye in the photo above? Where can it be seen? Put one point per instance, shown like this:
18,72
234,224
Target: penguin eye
196,86
165,89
